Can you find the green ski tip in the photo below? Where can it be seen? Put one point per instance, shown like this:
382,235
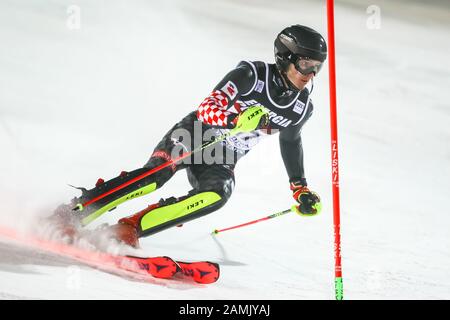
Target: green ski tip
339,286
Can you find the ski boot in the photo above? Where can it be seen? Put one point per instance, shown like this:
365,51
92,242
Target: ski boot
126,230
63,224
66,223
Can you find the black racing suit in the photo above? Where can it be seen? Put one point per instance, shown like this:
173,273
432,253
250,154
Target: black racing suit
210,172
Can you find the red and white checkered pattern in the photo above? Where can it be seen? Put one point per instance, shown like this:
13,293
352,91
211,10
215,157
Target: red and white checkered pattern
213,110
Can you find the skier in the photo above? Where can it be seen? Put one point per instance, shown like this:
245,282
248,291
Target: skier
254,99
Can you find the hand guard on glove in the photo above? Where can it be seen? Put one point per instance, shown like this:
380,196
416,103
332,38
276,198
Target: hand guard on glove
251,119
309,201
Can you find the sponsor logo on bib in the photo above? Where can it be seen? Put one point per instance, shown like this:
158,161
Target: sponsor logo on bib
259,86
299,107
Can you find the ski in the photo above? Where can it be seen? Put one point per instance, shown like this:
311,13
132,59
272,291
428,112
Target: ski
158,267
201,272
161,267
164,267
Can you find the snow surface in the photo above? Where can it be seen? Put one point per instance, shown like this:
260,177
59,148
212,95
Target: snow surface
80,104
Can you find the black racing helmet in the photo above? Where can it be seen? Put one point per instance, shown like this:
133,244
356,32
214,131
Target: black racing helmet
298,41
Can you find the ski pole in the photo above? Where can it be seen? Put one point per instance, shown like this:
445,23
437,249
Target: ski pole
278,214
156,169
247,125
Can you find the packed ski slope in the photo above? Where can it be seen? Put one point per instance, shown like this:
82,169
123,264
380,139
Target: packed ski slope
78,104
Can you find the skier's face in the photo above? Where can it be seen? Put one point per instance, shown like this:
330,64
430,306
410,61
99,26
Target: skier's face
298,79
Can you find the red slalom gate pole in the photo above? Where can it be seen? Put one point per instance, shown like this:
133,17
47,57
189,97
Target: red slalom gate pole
338,284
